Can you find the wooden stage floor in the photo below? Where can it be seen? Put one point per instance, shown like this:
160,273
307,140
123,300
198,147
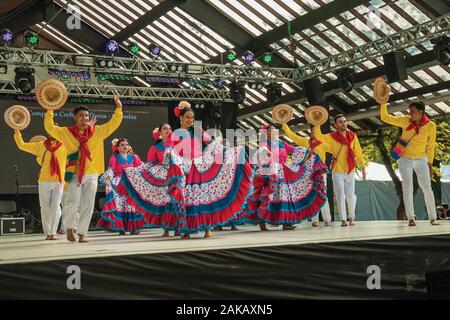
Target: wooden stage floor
32,248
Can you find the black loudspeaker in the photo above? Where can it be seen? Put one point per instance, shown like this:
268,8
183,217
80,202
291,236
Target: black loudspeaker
229,115
173,120
313,91
438,284
395,66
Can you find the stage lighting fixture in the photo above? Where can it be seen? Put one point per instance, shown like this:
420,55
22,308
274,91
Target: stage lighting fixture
7,36
112,47
105,63
267,58
442,49
134,48
274,92
199,105
85,75
231,55
345,78
3,69
220,83
84,61
256,85
175,68
249,56
154,50
194,69
24,79
237,91
31,39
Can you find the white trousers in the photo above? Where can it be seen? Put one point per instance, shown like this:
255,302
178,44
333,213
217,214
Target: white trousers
344,189
63,198
79,203
406,166
50,202
326,215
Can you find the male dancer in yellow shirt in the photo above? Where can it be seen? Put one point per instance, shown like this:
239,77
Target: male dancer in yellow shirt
420,134
85,147
346,150
51,156
320,148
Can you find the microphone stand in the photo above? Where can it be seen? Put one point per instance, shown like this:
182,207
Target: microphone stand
16,170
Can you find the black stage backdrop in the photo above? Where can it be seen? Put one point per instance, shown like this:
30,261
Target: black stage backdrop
410,268
137,127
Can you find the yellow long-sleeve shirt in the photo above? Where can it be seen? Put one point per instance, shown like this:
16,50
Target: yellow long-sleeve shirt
422,144
94,144
43,157
341,163
321,149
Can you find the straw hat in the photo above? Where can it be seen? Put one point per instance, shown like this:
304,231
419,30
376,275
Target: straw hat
316,115
17,117
381,91
38,138
282,113
51,94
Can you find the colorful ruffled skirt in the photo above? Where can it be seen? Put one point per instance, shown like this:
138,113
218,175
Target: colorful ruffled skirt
287,193
215,192
117,213
192,195
156,191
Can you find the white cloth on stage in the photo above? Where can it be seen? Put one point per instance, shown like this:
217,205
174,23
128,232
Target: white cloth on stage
50,194
344,189
406,166
79,203
325,211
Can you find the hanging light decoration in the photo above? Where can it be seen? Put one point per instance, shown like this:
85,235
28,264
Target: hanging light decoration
134,48
154,50
112,47
6,36
31,39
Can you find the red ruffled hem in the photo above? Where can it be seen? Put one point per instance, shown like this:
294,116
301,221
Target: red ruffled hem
220,217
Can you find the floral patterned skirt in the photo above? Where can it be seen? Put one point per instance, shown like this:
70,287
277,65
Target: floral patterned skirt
287,193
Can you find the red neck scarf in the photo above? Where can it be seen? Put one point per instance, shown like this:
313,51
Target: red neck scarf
83,150
54,164
347,141
416,126
314,144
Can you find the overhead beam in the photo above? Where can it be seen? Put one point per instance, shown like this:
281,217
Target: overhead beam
25,15
437,7
393,107
225,27
404,95
342,107
353,109
413,63
324,12
86,34
245,41
154,14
